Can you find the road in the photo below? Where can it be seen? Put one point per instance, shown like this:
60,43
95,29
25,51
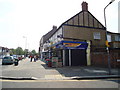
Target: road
59,84
47,77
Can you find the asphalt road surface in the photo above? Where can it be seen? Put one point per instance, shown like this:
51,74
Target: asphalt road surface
59,84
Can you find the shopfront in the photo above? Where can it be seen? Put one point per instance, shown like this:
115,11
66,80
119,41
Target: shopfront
71,53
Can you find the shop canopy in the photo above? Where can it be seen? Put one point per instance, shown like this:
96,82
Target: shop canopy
71,45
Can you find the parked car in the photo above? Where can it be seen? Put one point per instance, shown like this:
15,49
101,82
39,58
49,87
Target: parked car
15,57
1,56
20,58
7,60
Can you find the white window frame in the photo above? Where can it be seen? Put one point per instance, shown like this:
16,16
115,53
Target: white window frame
96,35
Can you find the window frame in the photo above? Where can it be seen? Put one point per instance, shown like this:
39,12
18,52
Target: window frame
96,35
117,37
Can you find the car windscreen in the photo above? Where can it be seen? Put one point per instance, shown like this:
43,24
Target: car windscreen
7,58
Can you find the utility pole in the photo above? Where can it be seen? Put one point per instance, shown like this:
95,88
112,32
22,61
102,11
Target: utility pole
25,45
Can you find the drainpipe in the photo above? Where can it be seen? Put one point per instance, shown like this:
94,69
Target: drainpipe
88,54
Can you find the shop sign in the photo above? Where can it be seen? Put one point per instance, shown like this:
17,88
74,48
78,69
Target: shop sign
71,44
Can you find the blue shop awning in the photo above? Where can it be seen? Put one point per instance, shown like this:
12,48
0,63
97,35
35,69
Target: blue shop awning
71,45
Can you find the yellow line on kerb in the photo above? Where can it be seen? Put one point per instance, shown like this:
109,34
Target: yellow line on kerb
44,80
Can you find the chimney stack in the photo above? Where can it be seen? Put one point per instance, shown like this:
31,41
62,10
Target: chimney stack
54,27
84,6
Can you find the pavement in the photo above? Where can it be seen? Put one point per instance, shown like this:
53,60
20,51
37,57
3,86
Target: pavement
86,72
27,70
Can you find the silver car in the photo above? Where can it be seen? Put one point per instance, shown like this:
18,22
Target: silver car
7,60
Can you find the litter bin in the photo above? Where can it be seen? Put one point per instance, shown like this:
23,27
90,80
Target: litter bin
16,62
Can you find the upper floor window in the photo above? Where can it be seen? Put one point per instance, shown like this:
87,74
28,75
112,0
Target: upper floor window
96,35
109,38
117,38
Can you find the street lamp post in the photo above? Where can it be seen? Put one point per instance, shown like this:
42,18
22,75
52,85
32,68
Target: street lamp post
109,66
49,51
25,44
2,51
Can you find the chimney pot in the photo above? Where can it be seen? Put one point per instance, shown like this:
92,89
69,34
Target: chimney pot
84,6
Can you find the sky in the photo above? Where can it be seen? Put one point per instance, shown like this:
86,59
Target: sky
29,20
119,17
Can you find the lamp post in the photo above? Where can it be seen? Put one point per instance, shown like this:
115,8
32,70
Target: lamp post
25,44
2,51
108,52
49,51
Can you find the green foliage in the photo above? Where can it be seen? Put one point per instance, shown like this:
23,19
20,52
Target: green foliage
33,52
20,51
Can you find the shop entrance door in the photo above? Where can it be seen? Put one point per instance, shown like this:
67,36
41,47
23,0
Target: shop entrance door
78,57
66,57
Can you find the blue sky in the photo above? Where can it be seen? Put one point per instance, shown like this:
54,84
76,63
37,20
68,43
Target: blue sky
34,18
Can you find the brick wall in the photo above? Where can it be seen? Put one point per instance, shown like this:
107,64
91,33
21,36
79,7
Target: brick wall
100,59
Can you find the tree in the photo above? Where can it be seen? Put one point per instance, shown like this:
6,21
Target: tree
11,51
19,51
26,52
33,52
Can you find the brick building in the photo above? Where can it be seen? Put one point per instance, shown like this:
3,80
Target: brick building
77,40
